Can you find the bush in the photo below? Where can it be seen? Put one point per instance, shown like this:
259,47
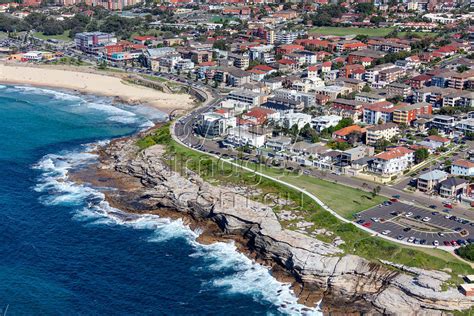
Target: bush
466,252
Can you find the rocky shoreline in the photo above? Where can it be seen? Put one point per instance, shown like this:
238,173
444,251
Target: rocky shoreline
346,284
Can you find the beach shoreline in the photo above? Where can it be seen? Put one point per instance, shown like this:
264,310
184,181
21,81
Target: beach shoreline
88,81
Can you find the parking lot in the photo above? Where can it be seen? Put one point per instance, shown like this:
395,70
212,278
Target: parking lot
416,225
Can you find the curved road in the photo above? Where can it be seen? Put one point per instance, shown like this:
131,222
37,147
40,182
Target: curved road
181,131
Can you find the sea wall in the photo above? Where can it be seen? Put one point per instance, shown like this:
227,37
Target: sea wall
346,283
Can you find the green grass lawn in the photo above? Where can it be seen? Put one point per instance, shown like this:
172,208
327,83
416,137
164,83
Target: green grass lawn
344,200
62,37
380,31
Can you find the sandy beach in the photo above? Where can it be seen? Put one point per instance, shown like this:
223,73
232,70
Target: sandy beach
93,83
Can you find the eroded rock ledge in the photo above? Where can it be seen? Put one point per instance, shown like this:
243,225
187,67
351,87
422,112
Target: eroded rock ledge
347,283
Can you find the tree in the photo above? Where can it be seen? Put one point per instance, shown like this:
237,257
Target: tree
52,27
377,19
463,68
220,44
366,88
433,132
364,8
466,252
421,155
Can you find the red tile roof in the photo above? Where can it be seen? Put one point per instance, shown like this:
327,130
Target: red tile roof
392,153
437,138
349,130
464,163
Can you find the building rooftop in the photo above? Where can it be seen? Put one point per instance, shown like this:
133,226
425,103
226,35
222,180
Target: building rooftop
433,175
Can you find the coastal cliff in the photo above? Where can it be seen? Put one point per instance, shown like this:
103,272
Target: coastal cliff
319,270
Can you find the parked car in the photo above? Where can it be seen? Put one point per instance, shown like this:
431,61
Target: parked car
433,207
447,243
386,232
367,224
411,239
436,243
406,229
409,214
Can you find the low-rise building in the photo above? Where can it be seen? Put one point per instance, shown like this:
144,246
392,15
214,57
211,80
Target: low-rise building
407,114
443,123
430,181
320,123
452,187
291,118
241,136
381,132
278,143
463,167
213,124
246,96
391,162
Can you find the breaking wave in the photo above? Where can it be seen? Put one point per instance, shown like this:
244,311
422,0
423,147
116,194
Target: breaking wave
242,275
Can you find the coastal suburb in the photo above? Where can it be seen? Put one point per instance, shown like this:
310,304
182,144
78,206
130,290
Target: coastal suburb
330,142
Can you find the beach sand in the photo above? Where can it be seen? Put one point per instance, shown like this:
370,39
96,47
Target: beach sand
86,81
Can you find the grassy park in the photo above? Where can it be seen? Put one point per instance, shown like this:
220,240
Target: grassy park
61,37
379,31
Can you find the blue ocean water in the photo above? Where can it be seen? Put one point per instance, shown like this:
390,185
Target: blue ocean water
65,251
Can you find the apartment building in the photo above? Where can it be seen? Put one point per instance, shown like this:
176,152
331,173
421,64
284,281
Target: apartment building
443,123
381,132
93,42
407,114
320,123
400,89
368,97
241,136
241,61
392,162
213,124
381,112
246,96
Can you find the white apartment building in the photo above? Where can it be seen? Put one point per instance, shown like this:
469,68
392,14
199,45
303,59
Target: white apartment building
241,136
392,162
299,119
322,122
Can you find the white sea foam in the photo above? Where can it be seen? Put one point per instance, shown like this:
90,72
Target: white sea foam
54,93
242,275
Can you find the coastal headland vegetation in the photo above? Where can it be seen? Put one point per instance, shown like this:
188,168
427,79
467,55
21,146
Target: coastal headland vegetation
342,199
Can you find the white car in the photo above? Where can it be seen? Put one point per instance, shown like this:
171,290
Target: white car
409,214
386,232
426,219
436,243
375,219
411,239
447,216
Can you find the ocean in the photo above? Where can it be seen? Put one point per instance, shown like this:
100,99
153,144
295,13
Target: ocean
65,251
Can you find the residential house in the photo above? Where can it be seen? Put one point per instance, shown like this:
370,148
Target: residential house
463,167
452,187
430,181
